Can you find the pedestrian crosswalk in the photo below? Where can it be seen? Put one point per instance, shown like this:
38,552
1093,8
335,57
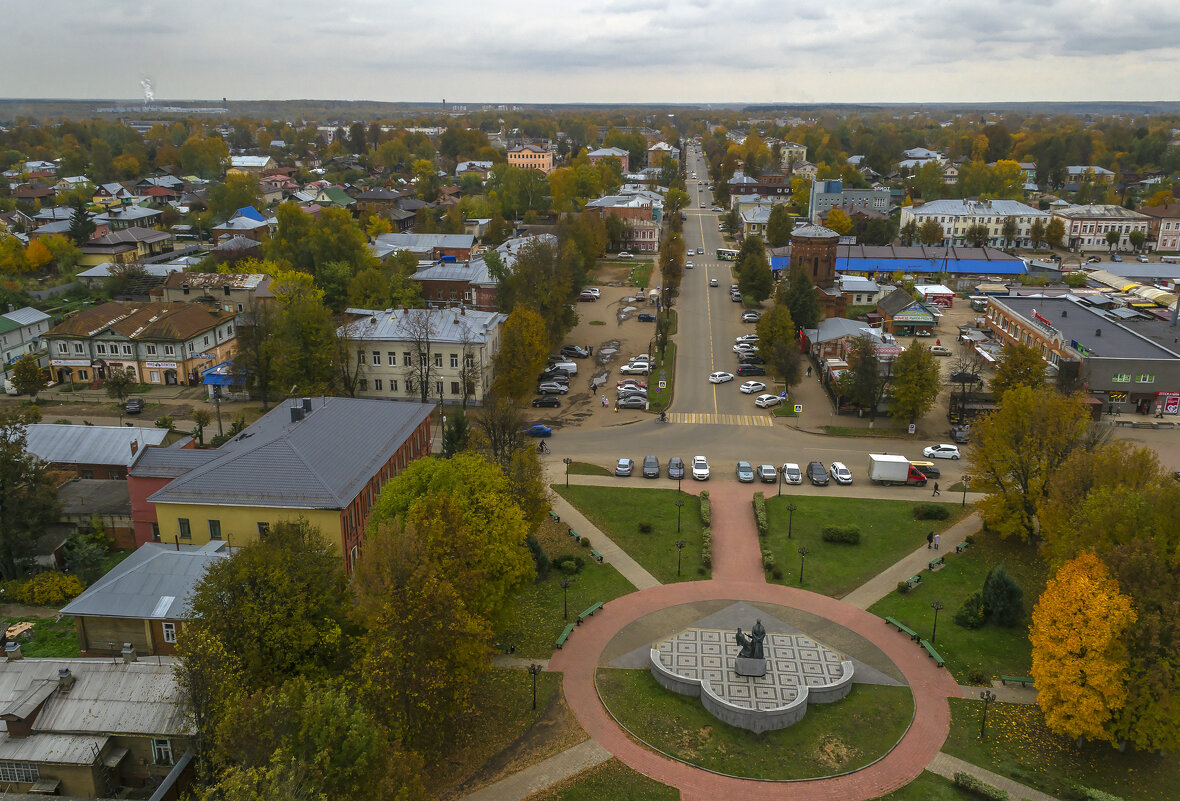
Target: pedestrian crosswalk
702,418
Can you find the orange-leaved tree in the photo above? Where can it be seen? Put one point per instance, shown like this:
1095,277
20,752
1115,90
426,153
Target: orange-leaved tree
1079,659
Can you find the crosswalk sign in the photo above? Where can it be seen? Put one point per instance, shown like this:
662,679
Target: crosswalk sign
798,408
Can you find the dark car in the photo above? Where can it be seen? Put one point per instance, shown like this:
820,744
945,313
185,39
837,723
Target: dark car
134,406
751,369
817,473
575,351
646,317
960,435
538,430
546,401
676,468
554,374
928,469
751,358
651,467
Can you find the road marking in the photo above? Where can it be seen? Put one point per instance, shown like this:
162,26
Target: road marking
707,419
709,317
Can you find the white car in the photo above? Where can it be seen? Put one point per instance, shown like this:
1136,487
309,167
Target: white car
750,387
592,290
635,369
840,474
766,401
751,338
792,474
688,265
700,468
625,255
720,377
942,451
745,347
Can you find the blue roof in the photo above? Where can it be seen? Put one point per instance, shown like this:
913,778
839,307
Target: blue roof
779,263
952,266
250,212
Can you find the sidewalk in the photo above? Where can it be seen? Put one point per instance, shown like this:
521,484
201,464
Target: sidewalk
1014,694
521,785
912,564
946,765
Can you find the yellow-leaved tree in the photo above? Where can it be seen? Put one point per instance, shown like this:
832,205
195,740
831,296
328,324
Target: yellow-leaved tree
1079,659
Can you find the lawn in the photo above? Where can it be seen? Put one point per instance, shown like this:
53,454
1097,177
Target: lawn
641,274
991,651
888,532
1020,747
881,433
830,739
618,511
51,638
587,469
610,781
929,787
661,399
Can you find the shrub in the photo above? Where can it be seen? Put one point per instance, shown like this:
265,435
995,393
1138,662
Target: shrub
707,547
51,588
767,560
972,614
585,542
1003,597
980,788
931,511
903,587
540,558
219,440
760,513
569,559
569,567
849,535
706,509
164,421
645,527
61,421
776,573
969,539
1083,793
977,678
32,412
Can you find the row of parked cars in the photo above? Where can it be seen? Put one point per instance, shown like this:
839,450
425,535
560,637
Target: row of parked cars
555,380
815,472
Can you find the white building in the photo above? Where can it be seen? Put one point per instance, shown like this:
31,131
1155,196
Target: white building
1086,227
956,216
20,333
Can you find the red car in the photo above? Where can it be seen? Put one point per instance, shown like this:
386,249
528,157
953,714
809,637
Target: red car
631,381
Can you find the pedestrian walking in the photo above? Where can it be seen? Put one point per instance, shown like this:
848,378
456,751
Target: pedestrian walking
930,540
604,401
809,371
936,490
937,538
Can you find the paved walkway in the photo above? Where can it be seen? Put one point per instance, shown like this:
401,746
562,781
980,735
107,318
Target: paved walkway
947,765
521,663
736,554
912,564
521,785
1010,695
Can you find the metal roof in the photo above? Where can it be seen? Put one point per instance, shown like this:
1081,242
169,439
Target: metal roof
473,272
67,444
814,232
155,582
170,462
1080,325
447,325
977,208
59,749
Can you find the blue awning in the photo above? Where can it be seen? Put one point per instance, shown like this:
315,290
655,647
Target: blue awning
951,266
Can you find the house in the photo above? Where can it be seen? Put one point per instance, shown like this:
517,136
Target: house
828,195
143,600
754,221
17,220
805,170
120,218
950,174
321,459
792,153
96,277
901,314
428,247
335,196
1077,174
480,168
641,212
20,334
859,291
231,292
657,153
250,165
956,216
458,345
85,501
242,225
99,452
126,246
71,182
161,343
1086,227
1163,227
377,202
112,194
531,157
833,337
34,193
595,156
93,728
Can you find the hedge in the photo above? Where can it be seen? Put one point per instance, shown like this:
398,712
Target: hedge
849,535
51,588
707,547
980,788
760,514
706,510
931,511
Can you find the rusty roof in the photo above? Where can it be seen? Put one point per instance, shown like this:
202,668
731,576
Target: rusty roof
142,321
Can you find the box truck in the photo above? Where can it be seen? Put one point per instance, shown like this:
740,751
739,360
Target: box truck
887,469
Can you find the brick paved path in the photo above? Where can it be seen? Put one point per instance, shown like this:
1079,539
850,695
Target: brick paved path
736,555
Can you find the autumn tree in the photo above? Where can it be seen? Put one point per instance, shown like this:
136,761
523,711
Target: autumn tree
237,191
779,344
254,357
1037,233
1079,660
419,329
1020,447
28,494
915,383
779,226
1020,366
301,348
118,383
524,346
865,381
976,235
839,221
930,232
37,256
909,233
1055,232
28,377
1009,231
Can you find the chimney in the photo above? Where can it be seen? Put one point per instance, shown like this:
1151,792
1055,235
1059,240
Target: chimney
12,651
296,414
128,653
307,405
65,679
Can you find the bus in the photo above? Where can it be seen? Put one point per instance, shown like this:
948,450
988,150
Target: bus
726,254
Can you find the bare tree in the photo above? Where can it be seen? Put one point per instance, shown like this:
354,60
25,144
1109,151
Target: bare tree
350,356
470,364
501,425
419,327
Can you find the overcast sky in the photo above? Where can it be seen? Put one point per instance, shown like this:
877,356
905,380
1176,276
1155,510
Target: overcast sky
627,51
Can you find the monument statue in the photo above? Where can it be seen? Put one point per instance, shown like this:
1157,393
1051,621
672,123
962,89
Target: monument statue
751,644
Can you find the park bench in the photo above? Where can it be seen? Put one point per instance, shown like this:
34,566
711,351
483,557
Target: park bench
962,546
596,555
565,635
505,649
914,581
902,627
574,535
590,611
1023,681
930,650
554,516
936,562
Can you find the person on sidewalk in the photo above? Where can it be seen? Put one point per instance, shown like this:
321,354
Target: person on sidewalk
937,539
937,491
930,540
809,371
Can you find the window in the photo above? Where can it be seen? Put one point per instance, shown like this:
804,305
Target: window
154,376
438,360
407,359
421,358
377,358
155,532
12,771
438,388
83,375
454,387
63,348
185,532
377,384
113,475
1121,378
101,348
391,359
87,474
239,309
1145,378
469,360
192,348
214,529
126,350
393,385
169,350
364,384
162,751
151,350
206,343
169,632
263,530
77,347
454,360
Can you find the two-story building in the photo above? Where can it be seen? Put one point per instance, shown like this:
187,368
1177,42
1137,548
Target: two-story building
828,195
1163,227
531,157
641,212
231,292
250,165
428,247
956,216
120,218
660,151
160,343
1086,227
124,247
90,452
20,334
595,156
792,153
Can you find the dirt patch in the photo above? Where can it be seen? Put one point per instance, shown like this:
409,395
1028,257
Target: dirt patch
835,753
27,612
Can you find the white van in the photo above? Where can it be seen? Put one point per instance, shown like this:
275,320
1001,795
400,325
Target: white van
564,364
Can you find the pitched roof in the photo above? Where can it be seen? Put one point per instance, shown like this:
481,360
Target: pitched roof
63,444
447,325
977,208
1103,211
216,280
895,301
1170,211
142,321
814,232
128,236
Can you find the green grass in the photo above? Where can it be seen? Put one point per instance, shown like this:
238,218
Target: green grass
587,469
991,650
534,617
617,511
845,431
661,399
1019,746
831,738
929,787
51,638
852,312
610,781
785,410
641,274
888,532
597,322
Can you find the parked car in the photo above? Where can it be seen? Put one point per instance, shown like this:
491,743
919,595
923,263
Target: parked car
675,468
841,473
1115,257
564,364
751,369
751,316
546,402
766,401
627,387
720,377
633,402
625,255
767,474
700,468
745,347
792,474
575,351
751,358
646,317
750,387
586,297
751,338
928,469
1142,259
134,406
940,350
631,382
593,290
942,451
923,332
538,430
651,467
736,297
635,369
960,435
552,388
817,474
624,467
745,473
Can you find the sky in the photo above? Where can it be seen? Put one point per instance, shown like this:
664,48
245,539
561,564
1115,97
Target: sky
594,51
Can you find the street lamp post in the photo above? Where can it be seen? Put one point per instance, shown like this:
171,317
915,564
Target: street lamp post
534,669
790,518
935,605
565,597
779,482
567,461
987,696
803,551
679,505
966,479
678,480
679,547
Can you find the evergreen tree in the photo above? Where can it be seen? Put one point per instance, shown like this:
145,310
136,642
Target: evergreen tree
81,226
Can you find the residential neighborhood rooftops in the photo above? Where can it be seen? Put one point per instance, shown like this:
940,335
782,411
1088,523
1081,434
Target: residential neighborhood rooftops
216,280
63,444
1080,324
26,316
421,243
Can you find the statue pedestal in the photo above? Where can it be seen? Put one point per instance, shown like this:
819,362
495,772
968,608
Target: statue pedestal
745,666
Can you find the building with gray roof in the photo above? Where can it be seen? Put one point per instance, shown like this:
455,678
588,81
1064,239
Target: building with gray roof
428,246
956,216
90,451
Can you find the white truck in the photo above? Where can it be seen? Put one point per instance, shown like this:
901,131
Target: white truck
885,468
